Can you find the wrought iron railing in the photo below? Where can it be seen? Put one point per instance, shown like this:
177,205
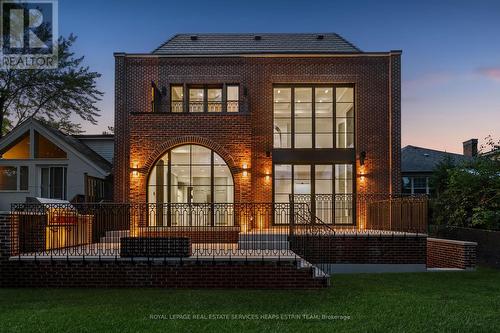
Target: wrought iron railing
213,230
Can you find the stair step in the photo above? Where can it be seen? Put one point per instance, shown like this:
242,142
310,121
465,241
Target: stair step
263,245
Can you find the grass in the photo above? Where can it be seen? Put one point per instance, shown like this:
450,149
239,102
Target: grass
408,302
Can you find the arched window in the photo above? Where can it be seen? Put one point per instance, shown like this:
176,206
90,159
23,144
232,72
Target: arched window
190,174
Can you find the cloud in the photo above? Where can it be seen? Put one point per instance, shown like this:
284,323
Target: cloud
490,72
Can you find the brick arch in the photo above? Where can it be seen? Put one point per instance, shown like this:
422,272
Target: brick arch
161,149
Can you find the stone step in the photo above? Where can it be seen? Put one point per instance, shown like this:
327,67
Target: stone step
263,245
247,237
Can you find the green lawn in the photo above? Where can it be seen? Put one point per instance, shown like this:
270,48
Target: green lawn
411,302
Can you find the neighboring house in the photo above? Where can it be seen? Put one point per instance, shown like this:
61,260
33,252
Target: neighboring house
103,144
40,161
418,165
223,118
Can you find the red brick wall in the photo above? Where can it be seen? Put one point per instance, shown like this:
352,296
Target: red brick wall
361,249
158,274
447,253
142,137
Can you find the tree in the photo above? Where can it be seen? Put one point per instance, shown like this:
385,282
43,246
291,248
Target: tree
468,195
53,95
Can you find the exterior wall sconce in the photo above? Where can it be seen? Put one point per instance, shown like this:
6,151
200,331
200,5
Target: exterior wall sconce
268,177
362,158
245,169
135,170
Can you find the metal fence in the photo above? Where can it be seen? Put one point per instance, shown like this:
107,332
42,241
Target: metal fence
217,229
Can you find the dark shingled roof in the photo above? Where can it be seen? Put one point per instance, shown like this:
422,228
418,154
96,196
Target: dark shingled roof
255,43
80,147
417,159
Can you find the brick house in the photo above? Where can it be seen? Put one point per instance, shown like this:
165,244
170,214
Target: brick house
265,115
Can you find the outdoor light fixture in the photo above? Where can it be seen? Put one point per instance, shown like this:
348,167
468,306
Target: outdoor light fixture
135,169
362,158
245,167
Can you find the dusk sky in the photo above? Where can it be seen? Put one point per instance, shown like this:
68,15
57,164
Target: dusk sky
450,61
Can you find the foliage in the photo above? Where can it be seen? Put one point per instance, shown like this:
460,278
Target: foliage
468,194
51,94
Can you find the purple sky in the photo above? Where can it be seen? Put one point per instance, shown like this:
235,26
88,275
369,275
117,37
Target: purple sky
450,64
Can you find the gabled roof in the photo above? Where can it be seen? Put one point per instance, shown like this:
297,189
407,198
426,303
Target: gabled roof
417,159
76,145
255,43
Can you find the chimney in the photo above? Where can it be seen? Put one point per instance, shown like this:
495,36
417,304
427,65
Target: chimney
470,148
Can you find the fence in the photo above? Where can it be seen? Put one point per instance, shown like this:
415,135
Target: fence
213,229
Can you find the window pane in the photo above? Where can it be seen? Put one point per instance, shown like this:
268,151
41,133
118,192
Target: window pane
345,94
302,179
303,118
200,155
8,178
303,140
233,98
282,182
196,100
303,95
20,149
177,99
324,140
323,94
46,149
282,118
23,178
181,155
215,100
343,178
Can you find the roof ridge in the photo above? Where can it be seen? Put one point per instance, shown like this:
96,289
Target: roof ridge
436,150
348,42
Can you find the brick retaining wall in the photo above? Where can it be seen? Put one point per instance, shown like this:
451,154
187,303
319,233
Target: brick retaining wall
447,253
158,274
362,249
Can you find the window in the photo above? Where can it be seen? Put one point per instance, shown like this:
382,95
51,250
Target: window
214,99
46,149
54,182
303,117
196,99
177,99
20,149
330,185
191,174
233,93
416,185
13,178
282,118
155,98
344,114
318,117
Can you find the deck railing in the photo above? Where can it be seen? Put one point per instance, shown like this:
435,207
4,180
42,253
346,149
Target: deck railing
211,230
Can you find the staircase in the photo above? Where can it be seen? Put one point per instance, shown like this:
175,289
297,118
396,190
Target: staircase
263,241
114,236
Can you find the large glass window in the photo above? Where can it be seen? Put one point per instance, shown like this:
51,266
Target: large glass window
20,149
8,178
313,117
218,98
44,148
191,174
327,188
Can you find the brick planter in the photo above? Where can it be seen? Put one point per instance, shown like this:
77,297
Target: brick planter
155,247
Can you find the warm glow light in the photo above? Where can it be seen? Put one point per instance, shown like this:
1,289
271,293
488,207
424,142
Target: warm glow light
245,173
135,173
245,167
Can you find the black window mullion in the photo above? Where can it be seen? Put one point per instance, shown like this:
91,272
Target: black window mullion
292,106
312,171
205,99
313,120
334,120
169,190
212,192
224,98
